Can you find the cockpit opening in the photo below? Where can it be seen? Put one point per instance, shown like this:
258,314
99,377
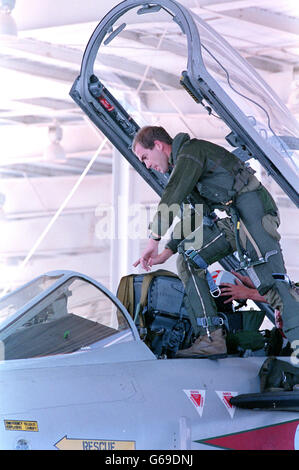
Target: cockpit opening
73,316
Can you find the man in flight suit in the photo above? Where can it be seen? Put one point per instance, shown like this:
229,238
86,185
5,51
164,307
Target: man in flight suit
215,178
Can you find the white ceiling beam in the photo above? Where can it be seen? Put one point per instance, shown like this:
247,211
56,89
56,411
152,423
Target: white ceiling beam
167,44
30,14
260,63
44,49
38,69
222,5
70,12
74,56
262,17
267,64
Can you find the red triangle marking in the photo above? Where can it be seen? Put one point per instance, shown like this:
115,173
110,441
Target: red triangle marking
275,437
227,397
196,398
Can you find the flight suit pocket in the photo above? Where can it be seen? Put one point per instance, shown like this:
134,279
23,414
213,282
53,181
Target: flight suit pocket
271,224
215,245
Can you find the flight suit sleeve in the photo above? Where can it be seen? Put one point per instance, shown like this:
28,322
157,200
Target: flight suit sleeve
185,176
175,238
183,228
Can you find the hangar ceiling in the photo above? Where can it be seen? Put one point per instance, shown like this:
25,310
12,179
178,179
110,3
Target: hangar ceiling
39,65
47,141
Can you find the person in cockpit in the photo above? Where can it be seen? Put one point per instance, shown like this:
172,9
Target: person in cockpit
216,179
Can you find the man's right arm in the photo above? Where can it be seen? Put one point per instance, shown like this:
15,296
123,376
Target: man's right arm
184,178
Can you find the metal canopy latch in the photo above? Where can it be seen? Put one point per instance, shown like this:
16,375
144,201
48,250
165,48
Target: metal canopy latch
148,9
115,33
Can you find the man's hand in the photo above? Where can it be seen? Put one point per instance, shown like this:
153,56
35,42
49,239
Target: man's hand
239,291
151,252
244,279
162,257
149,258
235,291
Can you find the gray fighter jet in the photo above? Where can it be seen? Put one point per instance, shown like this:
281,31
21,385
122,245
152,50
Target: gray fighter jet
75,373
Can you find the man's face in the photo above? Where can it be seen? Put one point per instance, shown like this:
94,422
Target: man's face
155,158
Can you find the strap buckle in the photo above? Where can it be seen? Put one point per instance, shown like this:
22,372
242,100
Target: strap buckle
209,321
215,293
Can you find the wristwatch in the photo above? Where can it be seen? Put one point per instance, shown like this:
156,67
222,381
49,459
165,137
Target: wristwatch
154,237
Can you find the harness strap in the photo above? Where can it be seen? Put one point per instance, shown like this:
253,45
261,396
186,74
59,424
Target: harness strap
197,261
251,239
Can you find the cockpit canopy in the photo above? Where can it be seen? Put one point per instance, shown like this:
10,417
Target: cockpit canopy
213,73
60,313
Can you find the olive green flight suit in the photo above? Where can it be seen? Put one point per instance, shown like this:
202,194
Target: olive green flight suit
218,179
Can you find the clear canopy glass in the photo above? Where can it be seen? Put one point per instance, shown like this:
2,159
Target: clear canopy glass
13,302
263,108
167,43
73,316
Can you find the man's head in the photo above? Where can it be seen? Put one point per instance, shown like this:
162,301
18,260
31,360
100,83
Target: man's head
152,145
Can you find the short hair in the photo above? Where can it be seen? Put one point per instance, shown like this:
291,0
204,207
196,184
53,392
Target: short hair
147,135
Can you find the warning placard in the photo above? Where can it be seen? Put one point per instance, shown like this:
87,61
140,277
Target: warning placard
225,398
14,425
197,398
